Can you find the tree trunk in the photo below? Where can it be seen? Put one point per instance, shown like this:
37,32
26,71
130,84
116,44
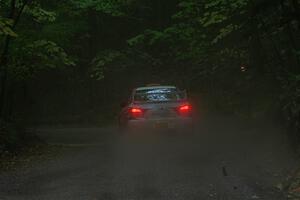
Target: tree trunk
4,61
293,48
14,15
297,11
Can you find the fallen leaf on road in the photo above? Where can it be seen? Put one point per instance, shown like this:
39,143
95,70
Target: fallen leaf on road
255,197
279,186
296,189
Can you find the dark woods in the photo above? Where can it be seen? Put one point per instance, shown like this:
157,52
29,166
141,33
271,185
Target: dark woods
72,61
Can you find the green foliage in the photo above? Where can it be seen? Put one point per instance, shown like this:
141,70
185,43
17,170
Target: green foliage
149,37
37,56
225,32
48,52
190,37
110,62
5,27
32,52
136,40
39,14
102,61
111,7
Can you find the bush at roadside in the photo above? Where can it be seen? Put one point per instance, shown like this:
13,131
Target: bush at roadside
12,137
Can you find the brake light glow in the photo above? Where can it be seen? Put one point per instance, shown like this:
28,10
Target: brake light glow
136,112
185,109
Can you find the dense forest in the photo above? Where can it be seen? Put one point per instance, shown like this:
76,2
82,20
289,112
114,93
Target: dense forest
73,61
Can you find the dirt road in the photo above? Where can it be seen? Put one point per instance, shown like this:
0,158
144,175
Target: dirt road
224,160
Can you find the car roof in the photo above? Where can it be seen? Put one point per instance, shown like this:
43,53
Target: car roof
155,87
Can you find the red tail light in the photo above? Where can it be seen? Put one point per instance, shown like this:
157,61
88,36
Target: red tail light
185,109
136,112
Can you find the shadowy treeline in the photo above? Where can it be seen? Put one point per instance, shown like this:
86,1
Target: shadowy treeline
73,61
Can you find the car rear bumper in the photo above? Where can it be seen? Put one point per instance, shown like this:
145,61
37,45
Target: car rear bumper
183,123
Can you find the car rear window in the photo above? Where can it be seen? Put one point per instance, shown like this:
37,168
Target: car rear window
157,95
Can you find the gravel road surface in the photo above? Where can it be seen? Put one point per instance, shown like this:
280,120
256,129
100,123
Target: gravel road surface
224,160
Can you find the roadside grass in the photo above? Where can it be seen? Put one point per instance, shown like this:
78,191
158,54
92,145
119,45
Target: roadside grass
292,186
25,157
13,137
19,147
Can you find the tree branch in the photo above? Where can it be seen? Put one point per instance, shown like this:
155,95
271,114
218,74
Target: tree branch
17,19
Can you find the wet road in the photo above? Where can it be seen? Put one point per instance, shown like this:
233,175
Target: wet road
224,160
